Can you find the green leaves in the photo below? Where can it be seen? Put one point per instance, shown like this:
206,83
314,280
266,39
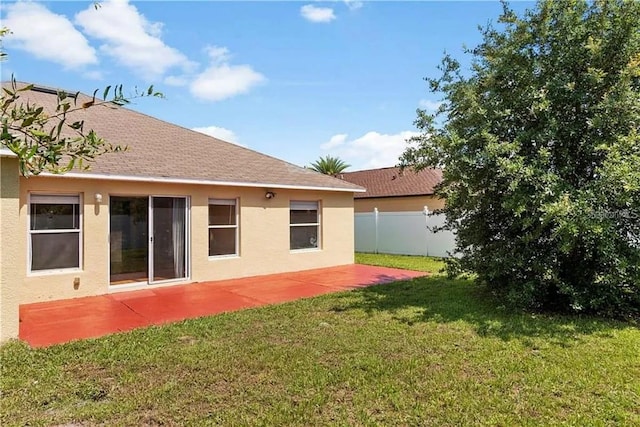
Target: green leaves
540,144
56,141
329,165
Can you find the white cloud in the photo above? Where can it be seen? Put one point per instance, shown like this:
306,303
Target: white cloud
218,54
222,80
372,150
47,35
93,75
353,4
220,133
317,14
176,80
334,141
130,39
430,106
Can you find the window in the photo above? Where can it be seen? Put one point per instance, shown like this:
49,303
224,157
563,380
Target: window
223,227
54,229
304,225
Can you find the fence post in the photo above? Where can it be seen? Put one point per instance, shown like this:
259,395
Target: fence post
426,213
375,221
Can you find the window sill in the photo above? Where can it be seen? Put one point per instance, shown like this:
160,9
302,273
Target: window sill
54,272
298,251
219,257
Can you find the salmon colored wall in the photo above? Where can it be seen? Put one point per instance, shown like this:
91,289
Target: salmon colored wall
264,233
398,204
11,250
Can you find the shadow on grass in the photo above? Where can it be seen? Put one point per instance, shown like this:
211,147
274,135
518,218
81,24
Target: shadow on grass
442,300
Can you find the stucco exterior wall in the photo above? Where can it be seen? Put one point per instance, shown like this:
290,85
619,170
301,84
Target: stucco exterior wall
264,234
11,253
398,204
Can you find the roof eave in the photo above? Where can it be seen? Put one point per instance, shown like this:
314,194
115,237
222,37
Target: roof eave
167,180
395,196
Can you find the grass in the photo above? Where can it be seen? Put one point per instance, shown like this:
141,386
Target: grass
430,351
418,263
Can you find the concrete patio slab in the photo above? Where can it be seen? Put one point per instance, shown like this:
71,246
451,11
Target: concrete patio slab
56,322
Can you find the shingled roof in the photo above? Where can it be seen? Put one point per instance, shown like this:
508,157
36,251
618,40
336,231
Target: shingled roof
165,152
391,182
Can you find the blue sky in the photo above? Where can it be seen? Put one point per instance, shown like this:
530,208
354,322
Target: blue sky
295,80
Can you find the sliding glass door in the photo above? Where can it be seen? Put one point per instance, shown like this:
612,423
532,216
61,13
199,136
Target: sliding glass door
129,240
168,243
148,239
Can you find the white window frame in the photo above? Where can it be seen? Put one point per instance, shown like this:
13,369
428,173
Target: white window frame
53,199
225,202
308,203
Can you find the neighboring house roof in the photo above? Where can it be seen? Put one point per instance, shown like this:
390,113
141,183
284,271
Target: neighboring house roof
164,152
391,182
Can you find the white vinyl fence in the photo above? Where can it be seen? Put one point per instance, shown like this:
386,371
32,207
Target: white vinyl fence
405,233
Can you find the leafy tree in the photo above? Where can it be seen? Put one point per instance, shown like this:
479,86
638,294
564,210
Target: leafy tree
50,140
329,165
540,144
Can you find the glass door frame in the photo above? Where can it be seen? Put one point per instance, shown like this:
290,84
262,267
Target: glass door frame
133,284
187,240
187,243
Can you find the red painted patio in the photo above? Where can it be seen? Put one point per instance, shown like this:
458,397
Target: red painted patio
56,322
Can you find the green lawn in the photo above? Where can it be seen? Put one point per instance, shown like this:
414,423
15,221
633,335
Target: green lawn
418,263
430,351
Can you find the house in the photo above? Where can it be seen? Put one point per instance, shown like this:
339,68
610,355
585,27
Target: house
177,207
396,213
394,190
